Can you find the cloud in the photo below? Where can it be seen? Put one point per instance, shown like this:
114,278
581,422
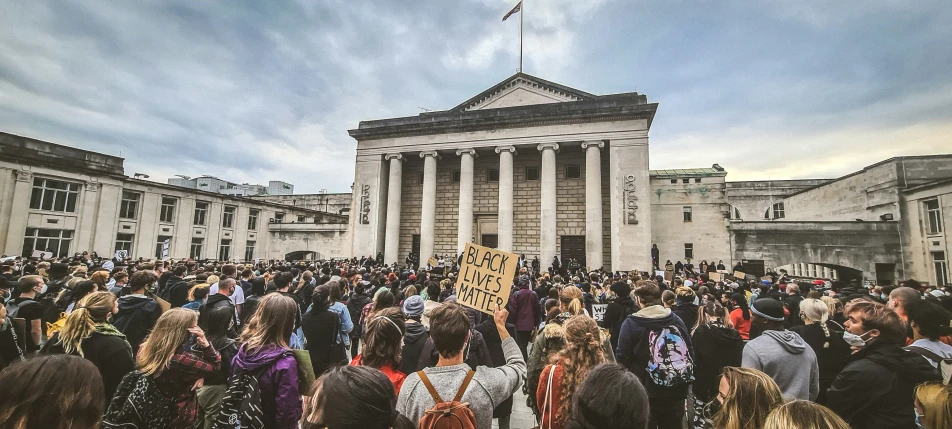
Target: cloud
255,91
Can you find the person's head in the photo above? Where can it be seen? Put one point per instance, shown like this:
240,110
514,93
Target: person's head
669,298
180,270
873,321
283,280
648,294
140,280
816,311
100,277
81,322
259,286
713,311
229,270
121,277
226,286
582,352
353,397
449,329
167,337
746,396
31,284
335,292
570,300
413,308
82,289
54,391
410,291
272,322
382,299
927,319
611,397
933,405
198,292
321,299
383,339
802,414
900,297
768,313
220,321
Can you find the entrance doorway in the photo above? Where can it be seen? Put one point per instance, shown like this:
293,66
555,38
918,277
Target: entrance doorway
415,248
489,240
573,246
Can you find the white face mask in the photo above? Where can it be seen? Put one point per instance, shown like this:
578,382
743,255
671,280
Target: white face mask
854,340
43,289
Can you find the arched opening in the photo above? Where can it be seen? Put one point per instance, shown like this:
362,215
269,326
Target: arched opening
301,255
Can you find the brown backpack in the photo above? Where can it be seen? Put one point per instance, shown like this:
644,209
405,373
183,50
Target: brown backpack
448,415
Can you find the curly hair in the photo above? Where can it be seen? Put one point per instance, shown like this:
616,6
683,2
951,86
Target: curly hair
582,352
383,339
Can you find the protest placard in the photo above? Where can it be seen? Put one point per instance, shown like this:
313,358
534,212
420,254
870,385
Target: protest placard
485,278
166,247
42,255
714,277
739,275
598,312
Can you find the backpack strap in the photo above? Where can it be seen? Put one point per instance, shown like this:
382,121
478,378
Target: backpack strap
462,388
926,353
429,387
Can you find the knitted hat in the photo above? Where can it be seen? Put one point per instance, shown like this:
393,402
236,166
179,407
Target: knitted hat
768,308
413,306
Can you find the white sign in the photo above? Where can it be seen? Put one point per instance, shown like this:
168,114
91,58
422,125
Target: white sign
598,312
122,254
42,255
165,249
659,273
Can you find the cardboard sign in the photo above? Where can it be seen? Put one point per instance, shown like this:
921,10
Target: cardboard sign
433,262
739,275
598,312
485,278
166,245
42,255
714,277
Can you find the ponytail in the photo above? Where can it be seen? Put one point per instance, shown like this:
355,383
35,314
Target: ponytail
571,300
81,323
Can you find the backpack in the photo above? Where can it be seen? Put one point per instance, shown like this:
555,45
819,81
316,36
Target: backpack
138,404
241,406
14,308
448,415
944,364
56,326
669,360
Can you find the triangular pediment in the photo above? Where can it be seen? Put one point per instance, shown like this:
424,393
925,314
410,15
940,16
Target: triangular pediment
522,90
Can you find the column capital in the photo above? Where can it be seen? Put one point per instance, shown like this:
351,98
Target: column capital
501,149
24,176
93,186
432,153
597,143
544,146
390,156
461,152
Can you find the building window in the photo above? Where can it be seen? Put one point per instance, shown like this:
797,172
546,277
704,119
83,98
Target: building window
201,210
688,217
532,173
47,240
129,205
941,269
934,216
249,251
674,181
224,250
253,220
161,242
279,217
689,250
493,175
778,211
228,216
124,242
167,213
197,247
697,180
685,180
573,171
733,212
301,218
456,176
54,195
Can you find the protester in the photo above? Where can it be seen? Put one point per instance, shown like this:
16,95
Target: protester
929,321
383,345
782,354
251,301
431,303
875,389
88,334
346,324
51,392
196,297
804,415
745,397
451,377
221,321
559,380
487,328
176,289
137,313
656,346
618,310
11,345
353,397
685,306
934,406
716,345
416,334
825,338
740,316
67,301
355,304
27,307
264,355
320,326
610,397
524,308
221,297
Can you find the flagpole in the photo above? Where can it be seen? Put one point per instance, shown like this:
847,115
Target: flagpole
522,11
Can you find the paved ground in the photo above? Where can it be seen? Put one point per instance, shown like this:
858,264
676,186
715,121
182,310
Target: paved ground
522,417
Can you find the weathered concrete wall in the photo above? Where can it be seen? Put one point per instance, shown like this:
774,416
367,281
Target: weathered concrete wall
328,241
919,244
752,198
707,231
338,203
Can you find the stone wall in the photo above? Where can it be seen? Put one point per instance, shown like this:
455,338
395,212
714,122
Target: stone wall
919,242
707,231
751,199
338,203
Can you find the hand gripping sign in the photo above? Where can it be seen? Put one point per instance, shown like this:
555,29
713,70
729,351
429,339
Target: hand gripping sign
485,278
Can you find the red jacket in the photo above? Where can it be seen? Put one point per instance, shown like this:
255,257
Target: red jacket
396,377
551,411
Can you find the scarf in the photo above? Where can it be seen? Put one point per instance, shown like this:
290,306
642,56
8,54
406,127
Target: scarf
107,329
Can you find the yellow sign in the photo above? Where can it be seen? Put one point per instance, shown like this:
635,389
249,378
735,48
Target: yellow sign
485,278
739,275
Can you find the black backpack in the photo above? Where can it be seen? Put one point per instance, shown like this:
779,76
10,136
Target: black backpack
138,404
241,406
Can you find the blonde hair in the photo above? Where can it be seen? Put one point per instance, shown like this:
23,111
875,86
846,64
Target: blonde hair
571,299
817,311
833,304
936,402
168,335
802,414
582,353
212,279
272,322
191,291
751,396
100,277
81,323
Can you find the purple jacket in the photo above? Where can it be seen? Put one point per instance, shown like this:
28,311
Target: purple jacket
524,304
281,402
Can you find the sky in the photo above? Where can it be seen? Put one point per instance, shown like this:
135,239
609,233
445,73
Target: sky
252,91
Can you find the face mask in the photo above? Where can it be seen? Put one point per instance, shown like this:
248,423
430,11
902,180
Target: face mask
854,340
43,289
918,417
882,296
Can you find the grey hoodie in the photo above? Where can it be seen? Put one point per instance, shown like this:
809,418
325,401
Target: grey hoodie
786,358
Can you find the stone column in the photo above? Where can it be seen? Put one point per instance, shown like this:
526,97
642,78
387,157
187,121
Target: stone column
593,204
428,215
504,221
16,230
391,251
630,197
547,221
464,233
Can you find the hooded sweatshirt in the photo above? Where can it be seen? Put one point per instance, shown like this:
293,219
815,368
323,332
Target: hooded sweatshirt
785,357
413,343
136,317
715,346
281,402
632,351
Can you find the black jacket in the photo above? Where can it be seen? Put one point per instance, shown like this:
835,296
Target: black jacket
875,389
831,359
137,315
10,350
320,330
355,305
687,311
615,313
176,292
413,343
213,301
112,355
227,348
249,307
792,303
715,346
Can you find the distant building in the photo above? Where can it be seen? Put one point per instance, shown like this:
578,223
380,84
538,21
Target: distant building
214,184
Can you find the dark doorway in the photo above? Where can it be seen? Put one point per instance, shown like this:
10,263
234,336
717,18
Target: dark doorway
754,267
415,248
573,246
885,274
490,240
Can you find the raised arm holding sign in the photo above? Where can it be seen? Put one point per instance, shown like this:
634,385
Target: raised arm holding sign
485,278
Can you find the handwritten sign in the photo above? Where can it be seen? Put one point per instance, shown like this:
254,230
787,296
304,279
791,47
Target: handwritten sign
42,255
485,278
739,275
598,312
714,277
166,246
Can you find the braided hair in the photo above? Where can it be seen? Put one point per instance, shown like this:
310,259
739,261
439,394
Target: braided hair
817,311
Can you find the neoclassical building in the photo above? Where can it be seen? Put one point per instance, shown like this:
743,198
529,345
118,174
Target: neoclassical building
527,166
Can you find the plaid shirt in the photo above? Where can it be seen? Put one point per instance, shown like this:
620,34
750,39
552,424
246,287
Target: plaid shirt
185,368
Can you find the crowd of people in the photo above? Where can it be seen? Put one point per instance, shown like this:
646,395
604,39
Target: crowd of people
87,342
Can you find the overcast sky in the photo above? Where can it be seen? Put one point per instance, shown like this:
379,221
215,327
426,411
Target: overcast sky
266,90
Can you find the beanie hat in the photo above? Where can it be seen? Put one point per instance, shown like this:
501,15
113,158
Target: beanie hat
768,308
413,306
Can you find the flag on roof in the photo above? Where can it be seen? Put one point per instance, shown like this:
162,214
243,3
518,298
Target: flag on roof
514,10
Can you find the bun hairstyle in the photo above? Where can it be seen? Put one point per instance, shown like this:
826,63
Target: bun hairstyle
571,299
